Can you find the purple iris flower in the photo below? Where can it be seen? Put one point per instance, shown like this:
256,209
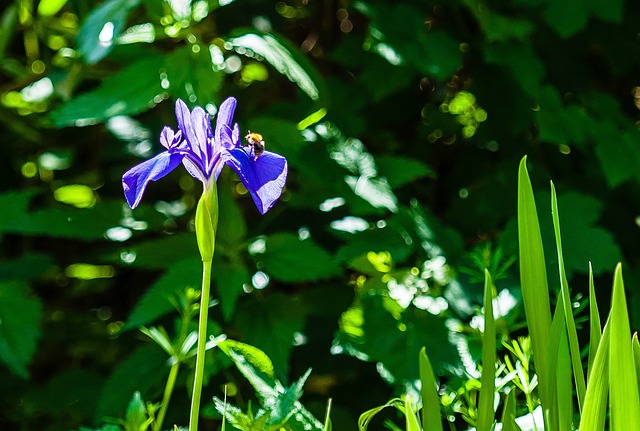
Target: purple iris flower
204,153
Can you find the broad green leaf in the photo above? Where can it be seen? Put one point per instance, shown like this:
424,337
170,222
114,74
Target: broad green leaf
524,65
533,277
486,413
158,253
134,89
364,181
624,400
567,17
62,222
269,323
509,412
101,27
397,33
369,328
595,329
283,57
157,301
594,411
566,303
20,315
400,171
617,153
230,278
431,419
232,228
26,267
144,370
289,259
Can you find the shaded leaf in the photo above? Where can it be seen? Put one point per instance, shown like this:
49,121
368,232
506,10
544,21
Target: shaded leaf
290,259
20,315
269,323
156,301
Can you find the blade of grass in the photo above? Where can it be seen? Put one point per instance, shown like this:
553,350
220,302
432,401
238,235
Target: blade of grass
594,323
366,417
509,413
533,278
636,356
563,384
327,417
431,419
624,401
558,327
594,411
574,348
411,418
486,414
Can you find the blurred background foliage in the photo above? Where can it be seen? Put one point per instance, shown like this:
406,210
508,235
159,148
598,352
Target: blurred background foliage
403,123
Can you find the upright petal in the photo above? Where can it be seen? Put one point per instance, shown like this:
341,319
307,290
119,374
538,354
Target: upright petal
201,127
184,118
263,177
135,180
224,120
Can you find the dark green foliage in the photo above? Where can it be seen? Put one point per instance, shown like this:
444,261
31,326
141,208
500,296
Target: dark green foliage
403,124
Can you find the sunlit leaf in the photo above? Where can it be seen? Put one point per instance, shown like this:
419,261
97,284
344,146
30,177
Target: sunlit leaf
282,57
130,91
624,399
533,276
98,32
595,329
50,7
431,419
486,412
566,303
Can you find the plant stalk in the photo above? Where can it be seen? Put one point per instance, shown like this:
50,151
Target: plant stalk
202,341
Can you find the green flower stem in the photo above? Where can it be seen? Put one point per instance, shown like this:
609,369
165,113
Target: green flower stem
168,390
173,373
202,341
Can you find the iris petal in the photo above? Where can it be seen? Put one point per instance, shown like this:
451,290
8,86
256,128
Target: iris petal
264,177
223,122
135,180
201,126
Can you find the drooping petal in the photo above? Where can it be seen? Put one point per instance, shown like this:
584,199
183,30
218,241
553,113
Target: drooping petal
264,177
223,122
135,180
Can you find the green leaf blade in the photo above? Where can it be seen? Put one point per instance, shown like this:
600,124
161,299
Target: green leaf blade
624,401
533,276
486,414
431,418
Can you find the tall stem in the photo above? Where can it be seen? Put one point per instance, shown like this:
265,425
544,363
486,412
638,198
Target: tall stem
173,373
202,341
168,390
